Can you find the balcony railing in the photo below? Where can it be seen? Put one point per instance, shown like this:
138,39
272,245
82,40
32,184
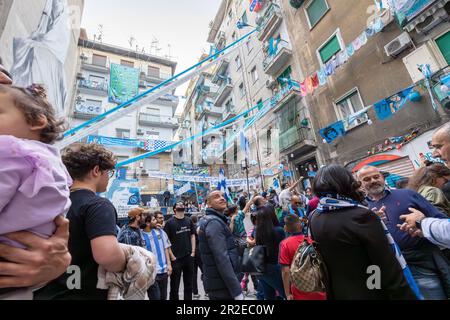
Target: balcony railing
82,111
208,109
270,21
93,85
88,63
230,112
150,119
155,77
277,59
294,135
224,91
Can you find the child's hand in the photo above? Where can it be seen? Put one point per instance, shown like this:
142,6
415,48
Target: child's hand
43,260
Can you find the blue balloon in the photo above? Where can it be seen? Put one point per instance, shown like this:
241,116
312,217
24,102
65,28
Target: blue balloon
414,96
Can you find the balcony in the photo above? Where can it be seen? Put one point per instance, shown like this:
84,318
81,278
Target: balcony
297,140
86,112
274,63
224,92
88,64
169,100
270,22
154,77
93,87
221,40
230,112
280,99
146,119
211,110
221,71
423,15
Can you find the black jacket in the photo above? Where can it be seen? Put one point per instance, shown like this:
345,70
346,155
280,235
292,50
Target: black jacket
351,240
219,254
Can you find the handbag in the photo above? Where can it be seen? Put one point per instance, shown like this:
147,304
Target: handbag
254,260
308,272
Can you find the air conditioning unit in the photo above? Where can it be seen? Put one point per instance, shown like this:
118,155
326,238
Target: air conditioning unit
140,132
398,45
271,83
432,21
144,173
80,76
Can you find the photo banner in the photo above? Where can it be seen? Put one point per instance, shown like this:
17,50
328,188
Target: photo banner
124,83
333,131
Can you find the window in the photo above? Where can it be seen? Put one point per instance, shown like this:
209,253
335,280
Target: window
238,62
286,74
244,18
151,164
260,104
443,43
254,74
230,16
153,71
123,133
152,135
235,152
269,142
127,63
315,10
348,105
233,36
99,60
242,90
249,44
330,48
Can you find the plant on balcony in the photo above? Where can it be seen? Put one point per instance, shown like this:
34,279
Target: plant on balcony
296,3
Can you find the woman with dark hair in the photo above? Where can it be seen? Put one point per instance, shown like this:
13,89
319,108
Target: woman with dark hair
268,235
429,182
354,243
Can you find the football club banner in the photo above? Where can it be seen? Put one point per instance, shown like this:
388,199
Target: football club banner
124,84
332,132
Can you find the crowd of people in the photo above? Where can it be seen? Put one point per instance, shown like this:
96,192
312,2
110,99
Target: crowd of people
355,221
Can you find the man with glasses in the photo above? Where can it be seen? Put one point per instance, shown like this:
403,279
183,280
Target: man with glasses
92,240
181,232
296,208
425,260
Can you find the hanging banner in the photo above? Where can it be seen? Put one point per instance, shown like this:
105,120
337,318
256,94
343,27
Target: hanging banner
124,84
333,131
385,108
147,145
124,195
406,10
183,189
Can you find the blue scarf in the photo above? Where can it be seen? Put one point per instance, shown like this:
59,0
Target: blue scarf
332,202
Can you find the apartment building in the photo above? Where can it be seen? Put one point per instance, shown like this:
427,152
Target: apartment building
154,124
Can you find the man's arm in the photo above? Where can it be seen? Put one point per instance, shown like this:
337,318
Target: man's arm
43,260
286,275
169,261
295,184
108,254
193,245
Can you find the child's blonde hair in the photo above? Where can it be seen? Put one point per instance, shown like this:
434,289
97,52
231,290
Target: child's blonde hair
32,101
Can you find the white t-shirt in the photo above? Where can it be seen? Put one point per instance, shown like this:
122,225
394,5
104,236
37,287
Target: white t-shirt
285,197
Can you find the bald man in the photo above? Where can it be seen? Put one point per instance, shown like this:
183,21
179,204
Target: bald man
441,143
296,208
5,76
219,252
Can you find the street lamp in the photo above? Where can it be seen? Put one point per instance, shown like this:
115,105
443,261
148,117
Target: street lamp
244,165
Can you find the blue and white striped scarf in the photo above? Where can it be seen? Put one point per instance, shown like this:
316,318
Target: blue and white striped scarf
334,202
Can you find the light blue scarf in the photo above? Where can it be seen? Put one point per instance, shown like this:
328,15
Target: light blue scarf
335,202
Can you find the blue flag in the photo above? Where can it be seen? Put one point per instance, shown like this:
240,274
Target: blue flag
242,25
222,186
333,131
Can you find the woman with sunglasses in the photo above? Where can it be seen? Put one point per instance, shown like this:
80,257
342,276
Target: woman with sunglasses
429,182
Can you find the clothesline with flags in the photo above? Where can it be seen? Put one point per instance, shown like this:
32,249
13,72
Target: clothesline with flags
147,144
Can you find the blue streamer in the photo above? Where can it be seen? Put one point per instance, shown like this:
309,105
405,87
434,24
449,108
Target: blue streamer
145,93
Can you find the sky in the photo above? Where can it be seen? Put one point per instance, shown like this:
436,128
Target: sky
180,24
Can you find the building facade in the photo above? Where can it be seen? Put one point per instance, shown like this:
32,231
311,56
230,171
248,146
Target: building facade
381,65
154,124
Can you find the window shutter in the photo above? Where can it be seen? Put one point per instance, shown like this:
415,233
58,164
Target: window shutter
316,10
330,49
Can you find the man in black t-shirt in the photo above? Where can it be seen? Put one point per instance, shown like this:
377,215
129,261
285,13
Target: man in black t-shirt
92,240
181,233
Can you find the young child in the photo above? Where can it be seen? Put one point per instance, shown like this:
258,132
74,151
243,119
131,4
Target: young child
34,183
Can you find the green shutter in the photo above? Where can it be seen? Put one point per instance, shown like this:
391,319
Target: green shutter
316,11
444,45
330,49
